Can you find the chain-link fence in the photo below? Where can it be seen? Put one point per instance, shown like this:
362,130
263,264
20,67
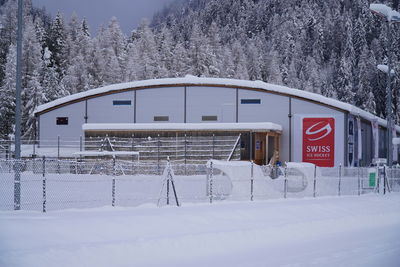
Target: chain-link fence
50,184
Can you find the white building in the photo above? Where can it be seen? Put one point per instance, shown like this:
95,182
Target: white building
313,128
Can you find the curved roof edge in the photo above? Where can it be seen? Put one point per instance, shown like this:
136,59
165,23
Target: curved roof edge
262,126
193,80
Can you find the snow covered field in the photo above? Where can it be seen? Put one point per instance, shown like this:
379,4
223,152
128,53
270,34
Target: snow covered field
326,231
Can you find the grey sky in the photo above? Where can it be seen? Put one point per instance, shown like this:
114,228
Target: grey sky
99,12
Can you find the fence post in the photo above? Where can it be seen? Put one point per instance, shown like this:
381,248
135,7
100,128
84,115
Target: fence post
252,182
34,151
285,184
17,184
8,150
211,181
58,146
340,179
378,179
133,148
213,146
359,181
113,184
384,179
10,163
167,189
158,154
315,180
44,182
185,152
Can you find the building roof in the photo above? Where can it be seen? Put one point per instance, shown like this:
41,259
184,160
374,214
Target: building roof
200,81
241,126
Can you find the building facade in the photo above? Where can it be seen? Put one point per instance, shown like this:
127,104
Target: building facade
314,128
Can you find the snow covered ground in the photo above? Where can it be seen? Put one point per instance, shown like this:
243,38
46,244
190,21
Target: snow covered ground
325,231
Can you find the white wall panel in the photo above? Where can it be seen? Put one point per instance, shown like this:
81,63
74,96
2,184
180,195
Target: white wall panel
273,108
211,101
168,101
102,110
75,113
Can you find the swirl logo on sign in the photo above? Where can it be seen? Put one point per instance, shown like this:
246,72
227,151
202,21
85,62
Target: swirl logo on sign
313,130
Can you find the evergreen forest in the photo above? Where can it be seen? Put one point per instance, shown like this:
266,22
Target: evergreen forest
326,47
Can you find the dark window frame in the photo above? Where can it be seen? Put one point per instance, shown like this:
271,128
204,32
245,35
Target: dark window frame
209,118
61,120
250,101
122,102
161,118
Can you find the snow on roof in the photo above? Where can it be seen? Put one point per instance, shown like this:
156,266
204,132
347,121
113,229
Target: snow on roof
385,11
244,126
105,153
193,80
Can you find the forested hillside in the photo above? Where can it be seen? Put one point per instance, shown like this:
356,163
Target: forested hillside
328,47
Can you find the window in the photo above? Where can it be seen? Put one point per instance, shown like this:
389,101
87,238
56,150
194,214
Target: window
250,101
122,102
62,120
161,118
209,118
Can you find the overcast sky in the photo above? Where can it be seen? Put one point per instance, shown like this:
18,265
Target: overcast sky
99,12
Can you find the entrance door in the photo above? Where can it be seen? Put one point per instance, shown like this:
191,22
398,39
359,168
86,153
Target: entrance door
259,149
272,148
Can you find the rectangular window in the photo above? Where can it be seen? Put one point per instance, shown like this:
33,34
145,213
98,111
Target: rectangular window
161,118
122,102
209,118
250,101
62,120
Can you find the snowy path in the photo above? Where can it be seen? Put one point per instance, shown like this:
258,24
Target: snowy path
331,231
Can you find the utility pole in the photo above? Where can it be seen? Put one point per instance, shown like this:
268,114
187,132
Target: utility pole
17,165
391,16
389,98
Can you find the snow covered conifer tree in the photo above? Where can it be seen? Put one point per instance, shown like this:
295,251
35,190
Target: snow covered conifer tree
7,95
111,48
50,79
56,42
76,77
143,53
166,51
8,29
214,54
273,69
228,70
180,61
367,76
253,61
343,84
32,95
239,61
118,43
198,52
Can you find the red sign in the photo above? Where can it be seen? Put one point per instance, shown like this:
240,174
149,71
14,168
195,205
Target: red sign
319,141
